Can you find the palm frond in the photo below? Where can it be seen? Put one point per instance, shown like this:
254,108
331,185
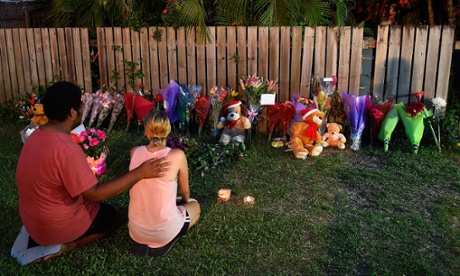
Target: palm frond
192,14
314,13
275,12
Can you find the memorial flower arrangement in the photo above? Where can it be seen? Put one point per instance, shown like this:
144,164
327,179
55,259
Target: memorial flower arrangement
254,86
92,142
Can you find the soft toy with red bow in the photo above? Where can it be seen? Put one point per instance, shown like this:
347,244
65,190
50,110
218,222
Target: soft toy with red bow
233,122
306,139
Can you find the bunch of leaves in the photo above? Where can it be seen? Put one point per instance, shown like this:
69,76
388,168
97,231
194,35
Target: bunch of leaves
450,128
337,109
206,156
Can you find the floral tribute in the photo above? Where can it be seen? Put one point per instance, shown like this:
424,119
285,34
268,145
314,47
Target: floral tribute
217,97
254,86
92,142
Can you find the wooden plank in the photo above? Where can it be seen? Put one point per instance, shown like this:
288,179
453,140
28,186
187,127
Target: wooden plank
201,66
221,42
320,52
25,58
356,60
87,80
274,56
103,57
70,52
47,55
285,64
445,59
332,51
12,94
144,58
62,55
307,61
18,60
40,57
232,72
405,71
127,57
191,57
263,59
163,58
154,62
431,67
110,54
136,57
77,57
118,50
181,56
344,60
242,52
296,60
5,82
380,61
172,53
394,58
54,50
252,51
421,36
211,63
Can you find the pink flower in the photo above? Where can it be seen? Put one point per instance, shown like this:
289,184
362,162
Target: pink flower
101,134
93,142
85,146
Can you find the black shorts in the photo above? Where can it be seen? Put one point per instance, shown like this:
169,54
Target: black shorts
106,221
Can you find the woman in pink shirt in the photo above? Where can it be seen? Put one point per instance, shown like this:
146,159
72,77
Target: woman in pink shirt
157,217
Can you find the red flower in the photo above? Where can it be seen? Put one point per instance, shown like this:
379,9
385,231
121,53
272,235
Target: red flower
165,11
376,113
158,98
414,108
419,95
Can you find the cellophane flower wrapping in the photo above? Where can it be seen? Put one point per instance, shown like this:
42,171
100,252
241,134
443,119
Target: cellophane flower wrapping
377,113
171,96
186,105
217,97
300,103
287,112
202,107
99,165
254,86
273,118
129,107
142,107
119,103
87,101
107,103
412,118
388,126
323,89
356,110
96,107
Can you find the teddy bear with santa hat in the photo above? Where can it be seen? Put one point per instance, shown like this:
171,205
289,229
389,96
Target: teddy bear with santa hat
306,140
233,123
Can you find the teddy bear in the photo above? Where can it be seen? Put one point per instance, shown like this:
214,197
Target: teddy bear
333,137
39,117
305,138
233,123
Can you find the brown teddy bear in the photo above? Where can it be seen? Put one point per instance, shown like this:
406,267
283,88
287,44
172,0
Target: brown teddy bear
333,137
39,117
306,139
233,122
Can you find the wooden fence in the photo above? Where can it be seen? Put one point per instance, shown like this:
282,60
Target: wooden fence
406,59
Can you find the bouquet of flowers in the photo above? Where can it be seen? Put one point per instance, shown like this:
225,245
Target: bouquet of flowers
280,113
377,113
412,117
388,125
356,110
323,89
254,86
171,96
107,104
117,108
96,107
92,142
202,106
300,103
438,104
217,97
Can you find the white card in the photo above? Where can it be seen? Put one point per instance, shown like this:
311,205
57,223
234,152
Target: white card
327,79
78,129
267,99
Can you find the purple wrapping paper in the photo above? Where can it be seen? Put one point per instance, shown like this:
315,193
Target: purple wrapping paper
356,110
171,95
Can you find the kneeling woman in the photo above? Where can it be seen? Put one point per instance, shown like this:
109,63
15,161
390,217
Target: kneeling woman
157,217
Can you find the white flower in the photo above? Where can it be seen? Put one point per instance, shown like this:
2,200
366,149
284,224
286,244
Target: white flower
439,103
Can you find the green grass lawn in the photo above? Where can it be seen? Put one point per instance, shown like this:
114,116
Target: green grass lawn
345,212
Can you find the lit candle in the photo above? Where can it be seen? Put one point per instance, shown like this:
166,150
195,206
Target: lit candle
224,194
249,200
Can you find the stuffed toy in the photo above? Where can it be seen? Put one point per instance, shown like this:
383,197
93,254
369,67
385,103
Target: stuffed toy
39,117
333,137
233,123
305,138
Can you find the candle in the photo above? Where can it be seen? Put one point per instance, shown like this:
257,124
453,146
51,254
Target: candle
224,194
249,200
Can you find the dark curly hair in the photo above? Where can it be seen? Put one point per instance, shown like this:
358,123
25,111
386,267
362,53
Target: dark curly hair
60,98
